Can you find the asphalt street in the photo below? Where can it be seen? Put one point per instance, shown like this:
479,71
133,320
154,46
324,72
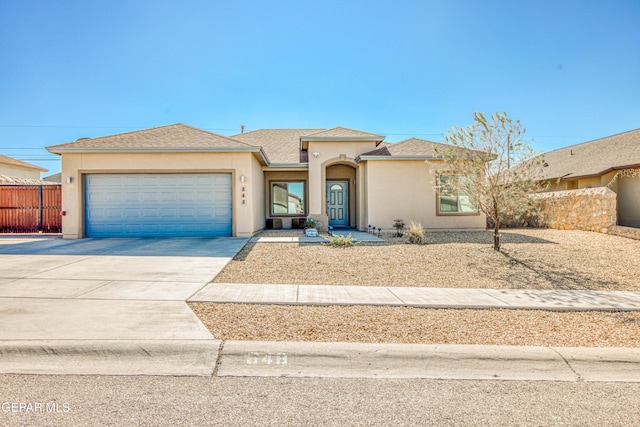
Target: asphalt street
178,401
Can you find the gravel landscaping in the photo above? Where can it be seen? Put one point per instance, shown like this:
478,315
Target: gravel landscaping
530,259
418,325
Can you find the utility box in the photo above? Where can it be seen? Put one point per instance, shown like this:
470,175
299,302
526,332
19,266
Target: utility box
274,224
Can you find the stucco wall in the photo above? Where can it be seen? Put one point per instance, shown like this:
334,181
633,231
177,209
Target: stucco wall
19,172
590,209
405,190
629,201
76,165
329,153
257,195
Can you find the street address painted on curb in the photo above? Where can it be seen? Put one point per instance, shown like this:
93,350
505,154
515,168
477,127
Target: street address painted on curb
260,358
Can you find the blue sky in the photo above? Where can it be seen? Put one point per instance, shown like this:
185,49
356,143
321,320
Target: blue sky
569,70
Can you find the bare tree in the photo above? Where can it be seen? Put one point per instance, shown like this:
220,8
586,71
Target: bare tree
491,166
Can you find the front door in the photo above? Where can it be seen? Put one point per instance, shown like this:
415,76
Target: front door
338,203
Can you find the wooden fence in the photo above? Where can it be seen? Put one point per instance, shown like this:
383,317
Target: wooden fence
30,208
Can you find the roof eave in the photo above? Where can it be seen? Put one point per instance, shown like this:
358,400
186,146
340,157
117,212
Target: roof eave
289,165
392,157
571,177
305,140
257,150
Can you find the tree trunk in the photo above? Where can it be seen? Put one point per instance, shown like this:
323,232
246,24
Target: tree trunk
496,236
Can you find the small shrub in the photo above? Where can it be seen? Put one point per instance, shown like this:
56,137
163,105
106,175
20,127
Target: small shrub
310,223
416,233
398,224
343,241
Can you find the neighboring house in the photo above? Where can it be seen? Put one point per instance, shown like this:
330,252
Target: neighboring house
18,169
595,164
178,180
55,178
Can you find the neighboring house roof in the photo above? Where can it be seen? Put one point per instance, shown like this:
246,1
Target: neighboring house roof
594,158
14,180
19,163
56,177
281,145
176,137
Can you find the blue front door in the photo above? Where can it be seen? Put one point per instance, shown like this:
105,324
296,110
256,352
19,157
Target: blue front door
338,203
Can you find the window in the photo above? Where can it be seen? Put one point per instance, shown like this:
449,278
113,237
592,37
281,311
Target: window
287,198
452,201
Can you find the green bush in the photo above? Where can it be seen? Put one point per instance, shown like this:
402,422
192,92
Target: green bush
416,233
343,241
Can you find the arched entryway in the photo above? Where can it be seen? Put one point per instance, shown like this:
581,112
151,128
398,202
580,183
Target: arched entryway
341,195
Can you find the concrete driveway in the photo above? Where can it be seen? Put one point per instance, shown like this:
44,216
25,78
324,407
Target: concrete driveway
107,297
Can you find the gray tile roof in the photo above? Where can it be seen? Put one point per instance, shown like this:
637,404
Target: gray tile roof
280,145
283,145
339,131
168,137
594,158
6,160
418,147
382,151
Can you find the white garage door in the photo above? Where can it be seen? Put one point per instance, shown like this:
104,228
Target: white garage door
150,205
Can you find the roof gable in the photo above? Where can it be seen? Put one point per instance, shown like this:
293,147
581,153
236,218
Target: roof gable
342,132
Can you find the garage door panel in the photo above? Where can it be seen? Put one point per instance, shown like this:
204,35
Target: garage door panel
157,205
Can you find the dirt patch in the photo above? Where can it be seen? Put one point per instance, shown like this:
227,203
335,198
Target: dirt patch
530,259
418,325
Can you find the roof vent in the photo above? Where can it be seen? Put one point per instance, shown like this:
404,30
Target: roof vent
241,128
571,153
82,139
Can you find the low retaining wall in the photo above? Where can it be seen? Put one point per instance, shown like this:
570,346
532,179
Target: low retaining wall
590,209
628,232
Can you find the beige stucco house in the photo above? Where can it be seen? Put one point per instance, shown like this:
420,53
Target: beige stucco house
178,180
595,164
11,168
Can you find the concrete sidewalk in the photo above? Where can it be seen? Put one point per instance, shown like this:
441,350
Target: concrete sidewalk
559,300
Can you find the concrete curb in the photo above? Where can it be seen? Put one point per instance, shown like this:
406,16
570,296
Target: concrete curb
318,360
109,357
462,362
